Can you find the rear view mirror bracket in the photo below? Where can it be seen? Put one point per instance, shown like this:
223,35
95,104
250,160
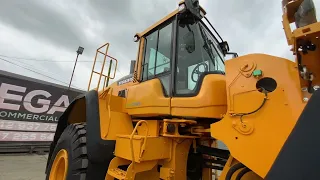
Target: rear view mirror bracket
234,54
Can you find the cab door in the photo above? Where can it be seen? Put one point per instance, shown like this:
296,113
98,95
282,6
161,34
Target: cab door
199,89
151,97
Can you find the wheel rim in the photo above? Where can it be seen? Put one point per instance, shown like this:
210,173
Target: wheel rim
60,166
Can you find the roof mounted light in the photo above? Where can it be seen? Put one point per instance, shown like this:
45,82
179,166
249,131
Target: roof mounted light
136,38
192,7
224,46
181,7
202,12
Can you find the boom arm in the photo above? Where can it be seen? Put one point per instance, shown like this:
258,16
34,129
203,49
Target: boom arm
275,136
304,41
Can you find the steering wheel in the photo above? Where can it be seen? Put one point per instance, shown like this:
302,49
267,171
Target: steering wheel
196,71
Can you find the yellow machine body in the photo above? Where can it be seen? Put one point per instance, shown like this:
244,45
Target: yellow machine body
251,139
252,104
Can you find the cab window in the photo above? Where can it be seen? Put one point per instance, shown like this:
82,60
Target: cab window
157,55
149,57
197,53
164,50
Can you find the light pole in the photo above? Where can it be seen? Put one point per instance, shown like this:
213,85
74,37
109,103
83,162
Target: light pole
79,51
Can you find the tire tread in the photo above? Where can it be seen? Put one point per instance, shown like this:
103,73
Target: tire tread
80,156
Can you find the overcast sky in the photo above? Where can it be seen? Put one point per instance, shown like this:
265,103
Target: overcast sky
41,32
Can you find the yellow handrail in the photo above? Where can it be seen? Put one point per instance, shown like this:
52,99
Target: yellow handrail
131,139
109,108
106,77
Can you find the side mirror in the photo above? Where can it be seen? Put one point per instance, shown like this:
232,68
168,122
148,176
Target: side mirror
232,54
189,41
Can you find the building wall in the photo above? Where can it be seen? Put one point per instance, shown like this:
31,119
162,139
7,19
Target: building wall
30,109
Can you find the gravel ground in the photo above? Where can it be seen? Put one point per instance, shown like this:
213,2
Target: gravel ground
22,166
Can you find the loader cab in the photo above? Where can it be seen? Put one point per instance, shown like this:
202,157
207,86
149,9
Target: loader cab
176,54
180,50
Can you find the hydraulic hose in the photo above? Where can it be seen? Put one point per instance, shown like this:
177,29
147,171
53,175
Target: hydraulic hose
242,173
233,169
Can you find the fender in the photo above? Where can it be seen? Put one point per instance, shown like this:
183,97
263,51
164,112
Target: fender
85,108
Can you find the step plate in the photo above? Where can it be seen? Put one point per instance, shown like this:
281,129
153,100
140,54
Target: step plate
117,173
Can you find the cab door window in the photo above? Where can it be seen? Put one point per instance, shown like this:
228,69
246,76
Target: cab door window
157,58
149,58
164,50
197,53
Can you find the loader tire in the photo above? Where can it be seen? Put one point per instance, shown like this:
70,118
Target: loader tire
72,145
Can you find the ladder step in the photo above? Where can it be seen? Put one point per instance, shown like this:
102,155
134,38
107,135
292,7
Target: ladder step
117,173
100,73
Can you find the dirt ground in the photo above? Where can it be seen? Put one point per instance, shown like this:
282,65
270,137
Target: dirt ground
22,166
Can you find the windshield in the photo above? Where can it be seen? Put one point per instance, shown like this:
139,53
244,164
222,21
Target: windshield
198,52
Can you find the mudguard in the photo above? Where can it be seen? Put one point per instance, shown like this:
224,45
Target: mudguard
98,150
299,157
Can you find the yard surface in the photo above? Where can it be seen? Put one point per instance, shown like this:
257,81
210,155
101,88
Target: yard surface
22,166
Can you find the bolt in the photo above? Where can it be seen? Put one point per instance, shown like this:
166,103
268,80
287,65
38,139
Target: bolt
171,128
304,89
244,67
183,125
305,99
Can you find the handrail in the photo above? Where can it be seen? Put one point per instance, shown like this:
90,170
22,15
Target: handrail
106,77
110,89
131,139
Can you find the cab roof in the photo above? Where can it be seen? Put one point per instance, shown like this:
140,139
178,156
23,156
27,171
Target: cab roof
139,35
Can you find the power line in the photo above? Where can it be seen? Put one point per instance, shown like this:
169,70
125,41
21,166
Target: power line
37,72
41,60
47,60
32,67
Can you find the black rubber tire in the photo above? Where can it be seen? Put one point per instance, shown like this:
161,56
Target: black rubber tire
194,166
233,169
242,173
74,141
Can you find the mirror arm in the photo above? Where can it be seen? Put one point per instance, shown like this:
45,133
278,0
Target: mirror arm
235,55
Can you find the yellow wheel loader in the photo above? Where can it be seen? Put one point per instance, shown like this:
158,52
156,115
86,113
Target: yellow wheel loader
185,112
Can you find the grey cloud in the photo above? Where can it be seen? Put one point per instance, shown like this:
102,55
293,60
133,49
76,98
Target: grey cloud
123,19
120,21
112,11
42,22
248,26
244,23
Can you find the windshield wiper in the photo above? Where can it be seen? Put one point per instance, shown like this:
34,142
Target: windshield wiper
207,46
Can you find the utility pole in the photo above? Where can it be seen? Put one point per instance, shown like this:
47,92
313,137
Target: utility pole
79,52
